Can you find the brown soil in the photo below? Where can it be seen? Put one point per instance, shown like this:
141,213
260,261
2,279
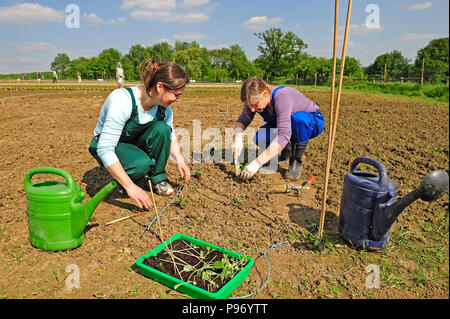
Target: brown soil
409,138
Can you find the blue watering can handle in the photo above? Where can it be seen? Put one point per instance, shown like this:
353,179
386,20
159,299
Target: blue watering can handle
50,170
370,161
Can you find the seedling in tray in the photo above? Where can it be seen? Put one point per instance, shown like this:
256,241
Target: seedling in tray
196,268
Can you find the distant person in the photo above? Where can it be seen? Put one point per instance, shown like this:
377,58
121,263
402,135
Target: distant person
55,76
39,77
134,135
25,76
119,75
291,121
79,76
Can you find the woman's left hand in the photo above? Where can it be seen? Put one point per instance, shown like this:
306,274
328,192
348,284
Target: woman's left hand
184,170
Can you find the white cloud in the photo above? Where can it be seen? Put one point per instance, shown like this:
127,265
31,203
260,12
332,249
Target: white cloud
157,5
168,11
27,47
169,16
30,13
416,36
92,18
95,20
194,3
261,22
194,17
420,6
189,36
358,29
18,57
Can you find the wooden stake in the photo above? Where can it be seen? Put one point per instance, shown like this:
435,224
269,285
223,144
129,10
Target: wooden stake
423,67
123,218
333,119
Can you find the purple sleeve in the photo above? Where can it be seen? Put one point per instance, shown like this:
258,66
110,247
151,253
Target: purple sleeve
287,102
246,117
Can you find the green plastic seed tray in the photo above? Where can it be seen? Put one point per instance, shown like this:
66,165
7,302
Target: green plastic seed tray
187,288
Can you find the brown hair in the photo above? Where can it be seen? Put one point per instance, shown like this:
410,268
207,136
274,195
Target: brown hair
253,88
170,74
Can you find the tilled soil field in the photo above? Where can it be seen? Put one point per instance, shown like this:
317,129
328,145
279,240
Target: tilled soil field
409,138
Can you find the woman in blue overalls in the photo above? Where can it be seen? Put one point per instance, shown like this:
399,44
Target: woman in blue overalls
291,121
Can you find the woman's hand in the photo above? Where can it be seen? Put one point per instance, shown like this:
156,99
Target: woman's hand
139,196
135,192
250,170
184,170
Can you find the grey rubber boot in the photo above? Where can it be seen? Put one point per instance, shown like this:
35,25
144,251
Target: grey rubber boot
295,162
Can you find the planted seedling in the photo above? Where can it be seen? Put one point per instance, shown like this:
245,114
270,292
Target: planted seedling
237,202
181,201
198,172
200,266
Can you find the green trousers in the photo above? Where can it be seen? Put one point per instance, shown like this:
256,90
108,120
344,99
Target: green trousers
147,156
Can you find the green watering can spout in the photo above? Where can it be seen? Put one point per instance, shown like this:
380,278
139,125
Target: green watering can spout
81,213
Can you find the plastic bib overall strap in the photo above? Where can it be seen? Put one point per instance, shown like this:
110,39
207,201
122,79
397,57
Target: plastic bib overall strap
268,131
304,125
143,149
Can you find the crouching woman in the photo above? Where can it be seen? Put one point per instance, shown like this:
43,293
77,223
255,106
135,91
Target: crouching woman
134,135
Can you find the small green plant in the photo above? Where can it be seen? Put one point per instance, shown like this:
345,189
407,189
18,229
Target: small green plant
59,276
237,202
205,267
18,256
181,202
198,172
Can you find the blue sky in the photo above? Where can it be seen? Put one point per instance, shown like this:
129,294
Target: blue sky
33,32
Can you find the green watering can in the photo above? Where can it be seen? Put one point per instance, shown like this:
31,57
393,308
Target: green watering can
56,217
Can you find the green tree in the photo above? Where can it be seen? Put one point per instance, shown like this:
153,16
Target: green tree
108,59
436,55
280,52
133,59
61,63
182,45
79,65
396,66
161,51
239,66
220,58
195,61
94,68
219,74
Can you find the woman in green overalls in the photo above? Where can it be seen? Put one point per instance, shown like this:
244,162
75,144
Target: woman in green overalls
134,134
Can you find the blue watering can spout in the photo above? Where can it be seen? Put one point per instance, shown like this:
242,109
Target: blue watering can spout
431,188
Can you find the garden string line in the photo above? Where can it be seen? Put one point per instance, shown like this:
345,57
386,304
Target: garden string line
180,188
268,276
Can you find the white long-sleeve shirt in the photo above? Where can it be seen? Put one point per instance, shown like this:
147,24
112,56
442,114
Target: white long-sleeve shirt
114,114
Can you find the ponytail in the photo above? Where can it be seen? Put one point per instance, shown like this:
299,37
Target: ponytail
170,74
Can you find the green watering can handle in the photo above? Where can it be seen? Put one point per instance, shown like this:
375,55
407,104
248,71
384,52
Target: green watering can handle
50,170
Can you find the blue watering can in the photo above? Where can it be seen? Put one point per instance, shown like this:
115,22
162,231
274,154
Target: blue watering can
368,205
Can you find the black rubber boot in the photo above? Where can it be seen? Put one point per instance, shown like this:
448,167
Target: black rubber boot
286,152
295,162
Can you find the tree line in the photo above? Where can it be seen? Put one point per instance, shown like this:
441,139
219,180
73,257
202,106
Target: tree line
282,58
